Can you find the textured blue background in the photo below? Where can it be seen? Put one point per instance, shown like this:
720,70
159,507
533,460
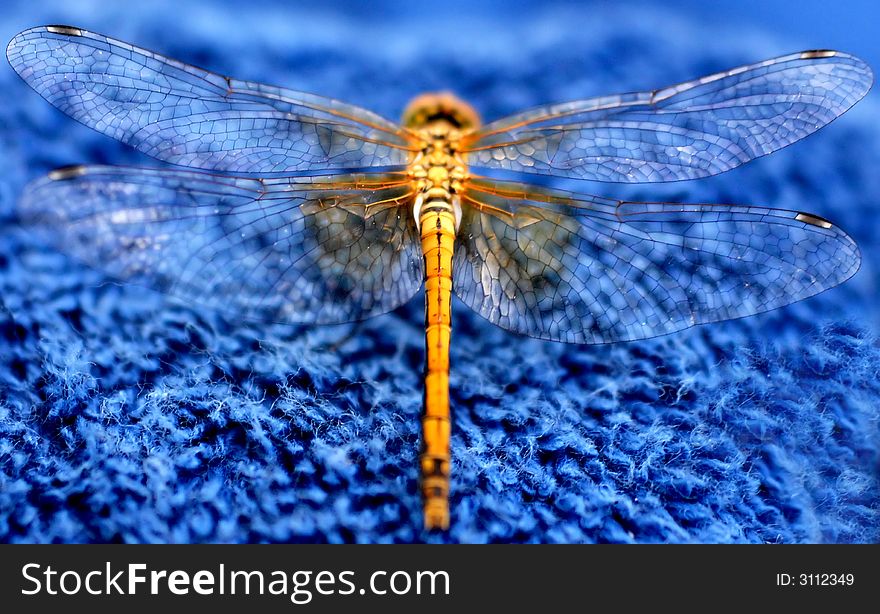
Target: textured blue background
125,416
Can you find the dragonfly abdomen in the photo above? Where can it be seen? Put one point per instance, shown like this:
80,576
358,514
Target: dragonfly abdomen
437,224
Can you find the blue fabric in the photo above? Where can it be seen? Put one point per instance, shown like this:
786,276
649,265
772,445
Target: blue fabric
125,416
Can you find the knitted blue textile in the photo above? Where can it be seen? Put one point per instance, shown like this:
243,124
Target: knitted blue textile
126,416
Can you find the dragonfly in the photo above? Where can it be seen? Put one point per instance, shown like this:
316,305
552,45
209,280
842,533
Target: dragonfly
281,205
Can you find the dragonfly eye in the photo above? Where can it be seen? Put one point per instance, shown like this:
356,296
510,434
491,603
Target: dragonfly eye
442,107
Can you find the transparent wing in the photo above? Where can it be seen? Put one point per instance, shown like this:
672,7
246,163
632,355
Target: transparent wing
191,117
311,250
686,131
584,269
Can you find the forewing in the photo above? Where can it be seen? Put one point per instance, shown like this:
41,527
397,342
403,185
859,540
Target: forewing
191,117
691,130
585,269
309,250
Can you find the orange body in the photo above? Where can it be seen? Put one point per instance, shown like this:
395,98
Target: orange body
438,171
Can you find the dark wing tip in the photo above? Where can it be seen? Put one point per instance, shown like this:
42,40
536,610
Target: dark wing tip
812,54
64,173
854,263
66,30
815,220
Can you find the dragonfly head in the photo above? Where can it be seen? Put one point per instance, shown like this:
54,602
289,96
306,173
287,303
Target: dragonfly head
438,108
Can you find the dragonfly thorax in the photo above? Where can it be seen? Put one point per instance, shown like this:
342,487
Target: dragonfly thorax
440,121
438,172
